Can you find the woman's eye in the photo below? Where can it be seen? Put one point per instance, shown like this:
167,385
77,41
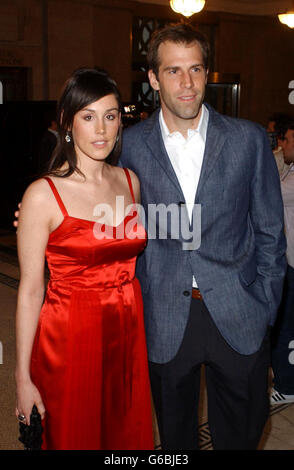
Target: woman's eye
88,118
110,117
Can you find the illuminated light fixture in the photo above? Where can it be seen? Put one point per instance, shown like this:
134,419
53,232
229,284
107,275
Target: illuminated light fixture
187,7
287,18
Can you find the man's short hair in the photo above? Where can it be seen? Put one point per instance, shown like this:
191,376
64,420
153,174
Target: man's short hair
281,123
180,33
290,127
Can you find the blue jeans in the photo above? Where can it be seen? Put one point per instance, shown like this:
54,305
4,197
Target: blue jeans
283,339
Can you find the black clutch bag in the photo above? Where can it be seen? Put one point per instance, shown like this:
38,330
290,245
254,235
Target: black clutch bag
31,436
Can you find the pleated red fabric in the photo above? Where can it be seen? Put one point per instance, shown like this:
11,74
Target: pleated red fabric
89,357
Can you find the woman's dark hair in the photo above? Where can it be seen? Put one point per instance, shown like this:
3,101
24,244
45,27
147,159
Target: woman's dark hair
180,33
85,86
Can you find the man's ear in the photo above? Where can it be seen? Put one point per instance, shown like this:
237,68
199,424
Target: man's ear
153,80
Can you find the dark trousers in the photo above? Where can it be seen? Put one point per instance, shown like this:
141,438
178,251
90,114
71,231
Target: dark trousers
237,389
283,339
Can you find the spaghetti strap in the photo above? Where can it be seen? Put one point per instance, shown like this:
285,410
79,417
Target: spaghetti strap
57,197
130,184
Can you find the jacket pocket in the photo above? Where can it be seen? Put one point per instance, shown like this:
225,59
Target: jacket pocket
253,282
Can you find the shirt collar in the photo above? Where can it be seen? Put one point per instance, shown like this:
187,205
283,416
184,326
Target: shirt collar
201,128
287,171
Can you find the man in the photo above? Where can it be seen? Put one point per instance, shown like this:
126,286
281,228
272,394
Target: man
276,128
210,301
48,143
283,333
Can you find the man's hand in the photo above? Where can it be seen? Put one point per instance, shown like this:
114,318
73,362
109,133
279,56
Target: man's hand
16,215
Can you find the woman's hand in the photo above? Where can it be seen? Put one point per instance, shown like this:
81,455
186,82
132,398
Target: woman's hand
27,396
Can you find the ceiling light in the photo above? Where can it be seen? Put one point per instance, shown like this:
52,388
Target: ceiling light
287,18
187,7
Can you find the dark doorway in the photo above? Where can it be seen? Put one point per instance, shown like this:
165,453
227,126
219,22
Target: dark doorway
22,125
15,82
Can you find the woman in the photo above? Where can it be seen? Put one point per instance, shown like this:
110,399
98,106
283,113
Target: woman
81,356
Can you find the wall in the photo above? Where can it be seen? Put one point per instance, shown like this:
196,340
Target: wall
70,38
98,32
262,51
21,40
78,33
112,29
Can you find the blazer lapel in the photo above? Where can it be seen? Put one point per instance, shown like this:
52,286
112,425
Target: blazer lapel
155,143
215,139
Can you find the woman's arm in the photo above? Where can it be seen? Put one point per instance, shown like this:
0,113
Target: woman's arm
32,238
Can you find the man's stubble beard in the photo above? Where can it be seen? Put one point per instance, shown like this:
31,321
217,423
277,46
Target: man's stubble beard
184,112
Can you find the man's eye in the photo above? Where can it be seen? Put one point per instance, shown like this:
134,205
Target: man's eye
172,71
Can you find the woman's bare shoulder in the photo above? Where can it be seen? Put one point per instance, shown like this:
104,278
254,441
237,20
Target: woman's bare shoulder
38,195
37,189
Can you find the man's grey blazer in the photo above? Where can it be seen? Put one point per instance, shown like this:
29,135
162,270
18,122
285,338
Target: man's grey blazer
240,263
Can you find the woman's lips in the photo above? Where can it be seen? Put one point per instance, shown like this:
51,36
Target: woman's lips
99,143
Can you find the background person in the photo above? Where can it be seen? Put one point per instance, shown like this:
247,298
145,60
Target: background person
48,143
283,333
276,128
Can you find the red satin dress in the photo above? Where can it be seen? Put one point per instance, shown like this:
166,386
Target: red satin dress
89,358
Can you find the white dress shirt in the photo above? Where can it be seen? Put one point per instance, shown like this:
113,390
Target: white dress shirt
287,187
279,157
186,156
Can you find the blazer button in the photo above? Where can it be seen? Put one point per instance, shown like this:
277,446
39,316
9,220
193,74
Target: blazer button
186,293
